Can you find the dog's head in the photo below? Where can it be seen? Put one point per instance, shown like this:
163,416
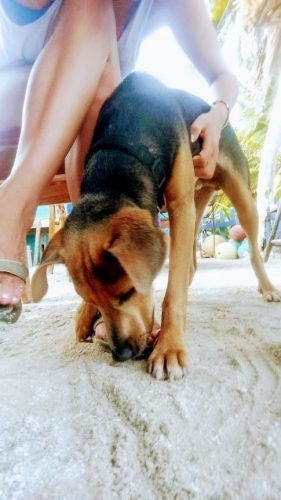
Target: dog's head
112,264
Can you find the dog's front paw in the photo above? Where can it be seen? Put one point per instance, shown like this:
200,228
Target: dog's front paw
271,295
84,321
167,362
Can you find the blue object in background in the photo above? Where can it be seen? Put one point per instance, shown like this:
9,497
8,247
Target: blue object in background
243,250
269,221
42,212
68,208
218,220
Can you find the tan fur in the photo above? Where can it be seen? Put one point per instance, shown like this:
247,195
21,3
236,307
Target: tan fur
129,238
108,260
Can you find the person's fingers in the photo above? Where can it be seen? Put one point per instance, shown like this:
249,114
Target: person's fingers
207,171
100,332
196,128
203,169
198,165
205,163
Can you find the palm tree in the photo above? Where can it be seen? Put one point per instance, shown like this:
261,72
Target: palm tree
264,19
260,20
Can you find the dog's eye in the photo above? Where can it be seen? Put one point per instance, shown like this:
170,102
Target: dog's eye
123,297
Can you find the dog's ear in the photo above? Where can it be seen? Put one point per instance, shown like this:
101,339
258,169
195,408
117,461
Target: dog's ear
138,245
52,255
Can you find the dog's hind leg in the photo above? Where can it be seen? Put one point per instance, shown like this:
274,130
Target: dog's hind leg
168,358
240,195
202,197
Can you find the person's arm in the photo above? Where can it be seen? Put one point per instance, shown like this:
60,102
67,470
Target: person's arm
74,162
200,42
193,29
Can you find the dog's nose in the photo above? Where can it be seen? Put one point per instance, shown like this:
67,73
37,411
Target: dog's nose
123,352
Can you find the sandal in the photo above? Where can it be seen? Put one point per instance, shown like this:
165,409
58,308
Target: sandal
11,313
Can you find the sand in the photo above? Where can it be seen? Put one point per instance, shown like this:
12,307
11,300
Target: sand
77,425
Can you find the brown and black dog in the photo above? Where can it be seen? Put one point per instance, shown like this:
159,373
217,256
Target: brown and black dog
141,155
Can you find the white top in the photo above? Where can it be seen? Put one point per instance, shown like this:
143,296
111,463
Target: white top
21,44
130,40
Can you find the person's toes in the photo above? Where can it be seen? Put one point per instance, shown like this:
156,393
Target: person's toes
11,289
100,331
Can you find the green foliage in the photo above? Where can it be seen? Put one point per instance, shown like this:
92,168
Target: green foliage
278,179
218,8
256,103
251,134
253,130
251,137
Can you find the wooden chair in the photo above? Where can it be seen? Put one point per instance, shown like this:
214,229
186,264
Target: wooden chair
46,225
56,192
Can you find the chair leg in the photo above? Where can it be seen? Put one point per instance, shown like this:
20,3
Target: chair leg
52,220
36,257
62,215
52,229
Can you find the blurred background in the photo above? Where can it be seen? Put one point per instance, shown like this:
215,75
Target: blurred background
250,34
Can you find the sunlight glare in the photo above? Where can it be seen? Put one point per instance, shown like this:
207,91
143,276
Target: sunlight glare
161,56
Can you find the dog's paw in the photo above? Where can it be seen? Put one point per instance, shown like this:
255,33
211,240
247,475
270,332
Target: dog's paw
272,295
167,363
83,334
85,319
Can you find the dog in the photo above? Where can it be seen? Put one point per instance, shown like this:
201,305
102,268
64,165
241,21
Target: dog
141,157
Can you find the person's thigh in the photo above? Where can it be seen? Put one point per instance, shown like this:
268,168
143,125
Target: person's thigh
13,81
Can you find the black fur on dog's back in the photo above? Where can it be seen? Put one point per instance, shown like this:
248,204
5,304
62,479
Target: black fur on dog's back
191,107
146,114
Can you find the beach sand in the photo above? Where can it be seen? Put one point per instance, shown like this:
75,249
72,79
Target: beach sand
77,425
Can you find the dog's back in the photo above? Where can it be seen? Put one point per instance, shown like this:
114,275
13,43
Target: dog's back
145,112
110,243
230,152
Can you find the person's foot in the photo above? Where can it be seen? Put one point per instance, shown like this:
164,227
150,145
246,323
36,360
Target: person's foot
100,330
14,224
101,333
11,289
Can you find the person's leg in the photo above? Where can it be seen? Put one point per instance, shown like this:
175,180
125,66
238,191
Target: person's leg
13,81
60,91
74,163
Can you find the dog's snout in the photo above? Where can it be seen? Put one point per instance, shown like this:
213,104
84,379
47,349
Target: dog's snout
124,352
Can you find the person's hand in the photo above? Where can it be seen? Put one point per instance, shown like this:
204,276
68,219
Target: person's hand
208,126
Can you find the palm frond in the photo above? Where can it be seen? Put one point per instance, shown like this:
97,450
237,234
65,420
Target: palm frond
262,13
218,9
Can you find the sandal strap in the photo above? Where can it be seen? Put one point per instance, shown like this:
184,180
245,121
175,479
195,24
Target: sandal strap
13,267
